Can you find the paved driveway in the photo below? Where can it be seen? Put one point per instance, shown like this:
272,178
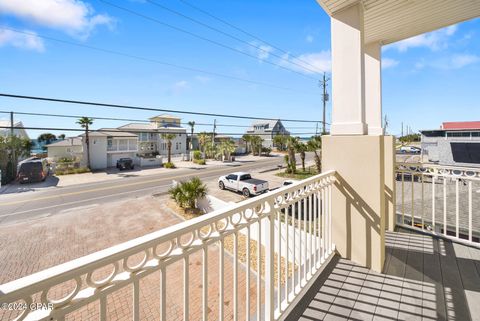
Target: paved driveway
38,244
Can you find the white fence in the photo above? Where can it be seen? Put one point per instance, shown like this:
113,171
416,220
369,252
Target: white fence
269,290
440,199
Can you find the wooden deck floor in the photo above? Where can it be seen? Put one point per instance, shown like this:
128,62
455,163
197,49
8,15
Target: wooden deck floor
425,278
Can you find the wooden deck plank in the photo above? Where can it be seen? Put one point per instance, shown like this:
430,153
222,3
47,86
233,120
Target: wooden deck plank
470,279
425,278
433,295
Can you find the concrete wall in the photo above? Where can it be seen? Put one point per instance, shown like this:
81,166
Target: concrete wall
98,152
438,149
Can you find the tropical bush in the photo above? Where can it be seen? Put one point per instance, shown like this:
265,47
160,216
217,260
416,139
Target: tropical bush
69,171
200,161
197,155
186,194
169,165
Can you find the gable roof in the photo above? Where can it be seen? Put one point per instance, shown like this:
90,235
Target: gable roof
67,142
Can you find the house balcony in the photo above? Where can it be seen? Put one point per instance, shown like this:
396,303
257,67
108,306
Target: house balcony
294,272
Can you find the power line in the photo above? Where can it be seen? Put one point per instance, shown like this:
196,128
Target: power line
243,31
130,119
114,130
138,14
228,35
93,117
80,102
123,54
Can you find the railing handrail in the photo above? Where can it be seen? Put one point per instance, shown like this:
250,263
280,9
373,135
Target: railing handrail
38,281
432,165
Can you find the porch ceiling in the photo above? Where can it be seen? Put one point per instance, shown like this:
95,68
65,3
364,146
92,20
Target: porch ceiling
388,21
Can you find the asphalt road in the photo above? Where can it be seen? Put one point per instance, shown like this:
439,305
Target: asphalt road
55,200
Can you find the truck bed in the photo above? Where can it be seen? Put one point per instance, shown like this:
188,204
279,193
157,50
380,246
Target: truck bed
254,181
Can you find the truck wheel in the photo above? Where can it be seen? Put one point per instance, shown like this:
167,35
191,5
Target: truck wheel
221,185
246,192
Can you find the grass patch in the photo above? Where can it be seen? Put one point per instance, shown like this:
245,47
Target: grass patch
309,172
169,165
72,171
200,161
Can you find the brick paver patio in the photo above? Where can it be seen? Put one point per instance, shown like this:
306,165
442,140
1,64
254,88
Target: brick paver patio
33,246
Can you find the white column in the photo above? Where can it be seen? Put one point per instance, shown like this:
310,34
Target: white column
373,88
348,68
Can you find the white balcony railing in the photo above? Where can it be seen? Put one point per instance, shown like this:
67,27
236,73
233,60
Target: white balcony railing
439,199
293,225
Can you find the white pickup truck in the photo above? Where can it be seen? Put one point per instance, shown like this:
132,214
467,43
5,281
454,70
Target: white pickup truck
243,182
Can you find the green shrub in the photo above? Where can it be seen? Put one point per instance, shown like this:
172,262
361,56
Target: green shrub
197,155
200,161
186,194
169,165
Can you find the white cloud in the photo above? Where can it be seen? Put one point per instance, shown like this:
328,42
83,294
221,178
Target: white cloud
389,63
27,40
202,79
179,87
74,17
309,39
455,61
309,63
435,40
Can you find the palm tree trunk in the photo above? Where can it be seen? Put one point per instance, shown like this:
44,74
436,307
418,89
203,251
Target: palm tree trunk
318,162
87,141
302,156
169,151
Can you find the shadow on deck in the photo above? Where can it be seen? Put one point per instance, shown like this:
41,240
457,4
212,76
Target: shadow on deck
425,278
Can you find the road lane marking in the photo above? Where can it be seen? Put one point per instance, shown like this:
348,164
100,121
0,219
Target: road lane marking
111,187
81,201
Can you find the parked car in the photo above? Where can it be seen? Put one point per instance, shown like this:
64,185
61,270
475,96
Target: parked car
32,170
410,150
125,163
243,182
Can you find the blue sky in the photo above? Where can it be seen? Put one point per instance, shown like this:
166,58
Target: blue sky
426,80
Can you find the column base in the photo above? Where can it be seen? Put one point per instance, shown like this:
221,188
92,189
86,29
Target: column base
358,199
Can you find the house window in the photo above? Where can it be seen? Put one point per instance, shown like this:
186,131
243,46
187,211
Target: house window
109,144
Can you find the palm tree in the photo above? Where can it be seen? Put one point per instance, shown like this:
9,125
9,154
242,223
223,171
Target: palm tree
61,136
47,138
226,148
192,127
203,140
256,142
168,138
314,145
291,143
301,148
186,194
85,122
279,141
248,139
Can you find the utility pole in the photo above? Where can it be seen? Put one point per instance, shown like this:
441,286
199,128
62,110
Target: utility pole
12,150
402,129
213,134
325,98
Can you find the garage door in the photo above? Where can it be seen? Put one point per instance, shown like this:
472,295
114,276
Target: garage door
114,157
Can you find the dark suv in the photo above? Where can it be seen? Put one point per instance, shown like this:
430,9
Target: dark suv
125,163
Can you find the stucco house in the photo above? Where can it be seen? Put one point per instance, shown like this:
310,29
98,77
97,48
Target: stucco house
150,141
139,141
267,129
70,148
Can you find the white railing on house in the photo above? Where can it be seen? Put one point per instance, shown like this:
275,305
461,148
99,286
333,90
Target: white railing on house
442,200
293,223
